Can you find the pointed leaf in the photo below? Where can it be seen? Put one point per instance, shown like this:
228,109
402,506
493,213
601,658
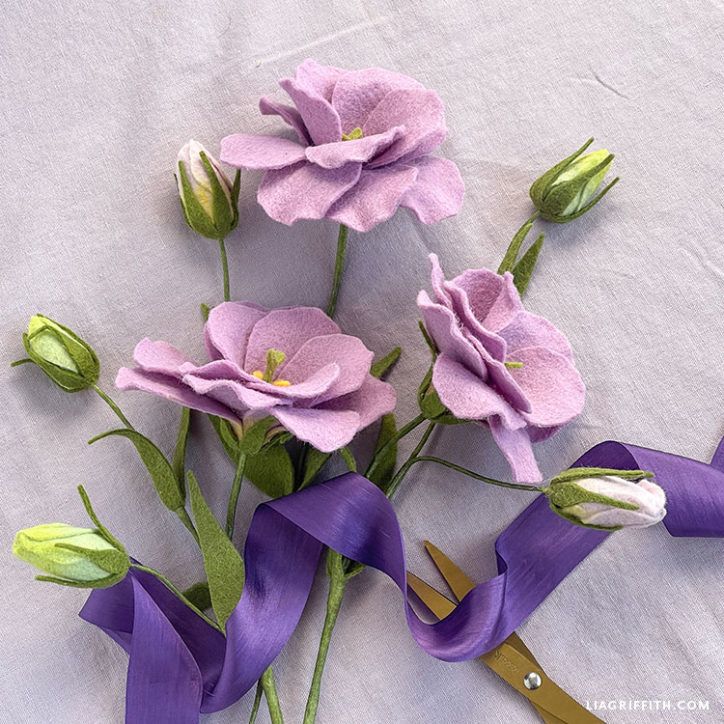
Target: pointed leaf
199,595
271,471
227,436
380,368
382,471
314,463
523,270
179,456
511,255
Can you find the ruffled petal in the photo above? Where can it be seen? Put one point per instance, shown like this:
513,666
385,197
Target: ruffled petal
289,114
286,330
171,389
494,300
305,191
349,353
321,78
160,356
326,430
243,150
438,191
422,114
357,93
235,395
227,330
551,383
467,396
375,198
320,119
371,401
518,451
529,330
335,155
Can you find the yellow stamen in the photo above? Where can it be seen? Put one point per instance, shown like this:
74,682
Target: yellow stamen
281,383
258,374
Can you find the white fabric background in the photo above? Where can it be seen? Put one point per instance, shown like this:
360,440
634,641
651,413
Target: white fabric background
98,97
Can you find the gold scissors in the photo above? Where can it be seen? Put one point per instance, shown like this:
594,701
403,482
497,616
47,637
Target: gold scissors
512,660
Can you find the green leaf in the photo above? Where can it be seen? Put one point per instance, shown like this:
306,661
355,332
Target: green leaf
381,473
199,595
314,463
428,339
163,476
179,456
254,437
99,526
271,471
222,562
523,270
514,247
578,473
227,436
205,309
350,462
384,365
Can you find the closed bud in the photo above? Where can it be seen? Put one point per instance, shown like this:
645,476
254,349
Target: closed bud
607,499
570,188
69,361
79,557
208,199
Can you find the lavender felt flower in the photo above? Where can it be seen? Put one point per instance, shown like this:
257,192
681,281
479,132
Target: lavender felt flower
364,142
293,364
500,364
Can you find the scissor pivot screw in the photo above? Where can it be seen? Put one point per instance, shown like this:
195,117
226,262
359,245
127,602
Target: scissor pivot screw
532,681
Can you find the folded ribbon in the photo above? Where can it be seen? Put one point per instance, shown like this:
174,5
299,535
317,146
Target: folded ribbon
180,666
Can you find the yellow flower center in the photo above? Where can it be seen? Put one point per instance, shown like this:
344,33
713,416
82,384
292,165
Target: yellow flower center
274,358
353,135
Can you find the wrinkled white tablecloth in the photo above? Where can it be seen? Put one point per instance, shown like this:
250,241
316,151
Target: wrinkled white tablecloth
97,99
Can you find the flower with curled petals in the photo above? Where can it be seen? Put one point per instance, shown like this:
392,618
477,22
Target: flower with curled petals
292,364
362,151
499,364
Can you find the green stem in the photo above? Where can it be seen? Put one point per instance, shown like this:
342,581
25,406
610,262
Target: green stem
109,401
511,254
400,474
338,269
177,593
272,699
476,476
224,269
257,702
234,495
402,432
337,583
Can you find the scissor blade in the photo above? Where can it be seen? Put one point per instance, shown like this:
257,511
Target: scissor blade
432,598
459,583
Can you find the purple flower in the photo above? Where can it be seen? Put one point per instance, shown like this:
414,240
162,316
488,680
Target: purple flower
293,364
364,142
500,364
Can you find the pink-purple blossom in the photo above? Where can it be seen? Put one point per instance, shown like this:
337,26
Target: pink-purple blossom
499,364
293,364
362,150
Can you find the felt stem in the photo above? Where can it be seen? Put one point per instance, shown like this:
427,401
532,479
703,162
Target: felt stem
338,269
337,583
224,269
109,401
177,593
402,432
269,687
234,495
529,487
257,702
400,474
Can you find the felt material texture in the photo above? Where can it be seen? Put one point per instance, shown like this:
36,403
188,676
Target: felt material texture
97,100
468,322
322,392
401,123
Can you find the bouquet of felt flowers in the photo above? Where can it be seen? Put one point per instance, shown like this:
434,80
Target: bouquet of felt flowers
287,389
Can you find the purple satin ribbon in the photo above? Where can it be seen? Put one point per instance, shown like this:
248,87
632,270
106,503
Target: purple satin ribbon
180,666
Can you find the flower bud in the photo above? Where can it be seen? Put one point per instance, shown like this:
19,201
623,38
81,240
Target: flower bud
208,199
568,190
80,557
607,499
61,354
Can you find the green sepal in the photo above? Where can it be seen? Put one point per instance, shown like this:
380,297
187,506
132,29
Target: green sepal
227,436
194,213
85,499
430,404
24,361
164,478
271,470
199,595
523,270
578,473
346,454
223,213
583,209
541,186
178,464
384,365
255,436
205,310
383,470
565,495
513,250
111,560
573,520
222,562
103,583
235,189
428,339
314,461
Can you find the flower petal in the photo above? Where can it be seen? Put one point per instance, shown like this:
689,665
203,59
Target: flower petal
375,198
518,451
420,111
438,191
322,78
320,119
243,150
286,330
305,191
326,430
529,330
467,396
171,389
335,155
494,300
374,399
160,356
349,353
227,330
235,395
357,93
551,383
289,114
